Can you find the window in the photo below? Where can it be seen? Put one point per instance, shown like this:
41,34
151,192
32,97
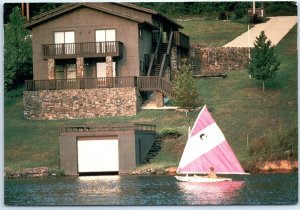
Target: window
59,72
65,69
64,42
142,68
71,71
106,40
140,33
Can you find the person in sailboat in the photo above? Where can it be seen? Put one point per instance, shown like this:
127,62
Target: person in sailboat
212,174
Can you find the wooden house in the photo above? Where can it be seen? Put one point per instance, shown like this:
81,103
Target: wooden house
104,45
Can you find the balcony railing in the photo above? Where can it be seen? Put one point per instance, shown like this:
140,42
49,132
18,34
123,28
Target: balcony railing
109,127
86,49
142,83
181,40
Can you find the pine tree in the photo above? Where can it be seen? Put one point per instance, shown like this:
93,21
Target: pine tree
17,51
264,62
186,89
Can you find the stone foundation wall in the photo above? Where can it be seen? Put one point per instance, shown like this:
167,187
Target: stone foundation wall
210,60
80,103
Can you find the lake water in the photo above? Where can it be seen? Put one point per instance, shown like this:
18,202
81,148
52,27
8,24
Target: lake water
151,190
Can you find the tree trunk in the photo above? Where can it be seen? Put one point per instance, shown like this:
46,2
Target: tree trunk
263,86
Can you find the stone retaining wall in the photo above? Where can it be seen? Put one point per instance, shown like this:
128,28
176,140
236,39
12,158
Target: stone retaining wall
80,103
212,60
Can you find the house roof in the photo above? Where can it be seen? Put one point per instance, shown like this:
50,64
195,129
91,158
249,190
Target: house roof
69,7
153,12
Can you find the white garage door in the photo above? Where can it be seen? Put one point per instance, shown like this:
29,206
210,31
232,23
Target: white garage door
98,155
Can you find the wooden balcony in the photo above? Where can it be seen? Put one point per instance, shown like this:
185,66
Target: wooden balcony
141,83
86,50
181,40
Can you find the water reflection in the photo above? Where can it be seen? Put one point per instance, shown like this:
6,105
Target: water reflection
98,185
211,193
151,190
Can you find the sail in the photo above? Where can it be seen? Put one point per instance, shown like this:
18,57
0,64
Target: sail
207,147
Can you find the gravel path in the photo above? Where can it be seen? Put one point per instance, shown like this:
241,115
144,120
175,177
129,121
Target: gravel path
275,29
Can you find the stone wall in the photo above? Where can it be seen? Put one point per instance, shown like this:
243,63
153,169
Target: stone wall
211,60
80,103
51,69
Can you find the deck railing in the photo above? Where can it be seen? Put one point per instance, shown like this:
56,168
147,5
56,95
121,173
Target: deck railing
80,83
155,83
109,127
86,49
142,83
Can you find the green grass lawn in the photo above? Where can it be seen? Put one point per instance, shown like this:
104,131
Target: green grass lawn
210,31
238,105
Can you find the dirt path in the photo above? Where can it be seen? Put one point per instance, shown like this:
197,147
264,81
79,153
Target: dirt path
275,29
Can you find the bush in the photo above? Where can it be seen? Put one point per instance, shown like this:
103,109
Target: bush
279,145
170,132
222,16
185,87
281,8
239,13
255,19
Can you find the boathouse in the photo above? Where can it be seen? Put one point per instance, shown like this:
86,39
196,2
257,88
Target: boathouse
104,149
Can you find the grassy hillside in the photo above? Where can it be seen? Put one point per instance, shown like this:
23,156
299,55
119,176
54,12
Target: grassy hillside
238,105
210,31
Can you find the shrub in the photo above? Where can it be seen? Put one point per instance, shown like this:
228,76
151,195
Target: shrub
239,13
185,87
222,16
279,145
170,132
255,19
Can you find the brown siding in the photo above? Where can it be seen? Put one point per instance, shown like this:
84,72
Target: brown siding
84,21
145,47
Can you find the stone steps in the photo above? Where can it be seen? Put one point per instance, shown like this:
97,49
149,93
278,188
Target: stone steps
156,147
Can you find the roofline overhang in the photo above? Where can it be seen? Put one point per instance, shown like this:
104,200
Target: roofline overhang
56,12
153,12
148,25
36,20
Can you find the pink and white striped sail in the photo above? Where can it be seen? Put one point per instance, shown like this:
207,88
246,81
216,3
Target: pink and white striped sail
207,147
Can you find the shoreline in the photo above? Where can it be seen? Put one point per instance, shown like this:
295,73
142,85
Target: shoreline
282,166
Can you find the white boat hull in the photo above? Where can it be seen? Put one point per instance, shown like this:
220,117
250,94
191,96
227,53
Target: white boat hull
202,179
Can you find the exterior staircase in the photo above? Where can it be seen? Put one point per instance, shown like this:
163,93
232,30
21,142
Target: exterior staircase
158,61
156,146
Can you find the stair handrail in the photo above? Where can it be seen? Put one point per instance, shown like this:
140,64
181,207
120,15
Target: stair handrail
162,67
170,44
153,56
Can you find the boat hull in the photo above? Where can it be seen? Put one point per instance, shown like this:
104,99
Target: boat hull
201,179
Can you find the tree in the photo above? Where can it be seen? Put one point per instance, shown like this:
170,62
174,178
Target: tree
263,62
17,51
185,88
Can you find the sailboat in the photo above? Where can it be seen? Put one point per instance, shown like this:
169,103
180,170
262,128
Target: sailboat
207,148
